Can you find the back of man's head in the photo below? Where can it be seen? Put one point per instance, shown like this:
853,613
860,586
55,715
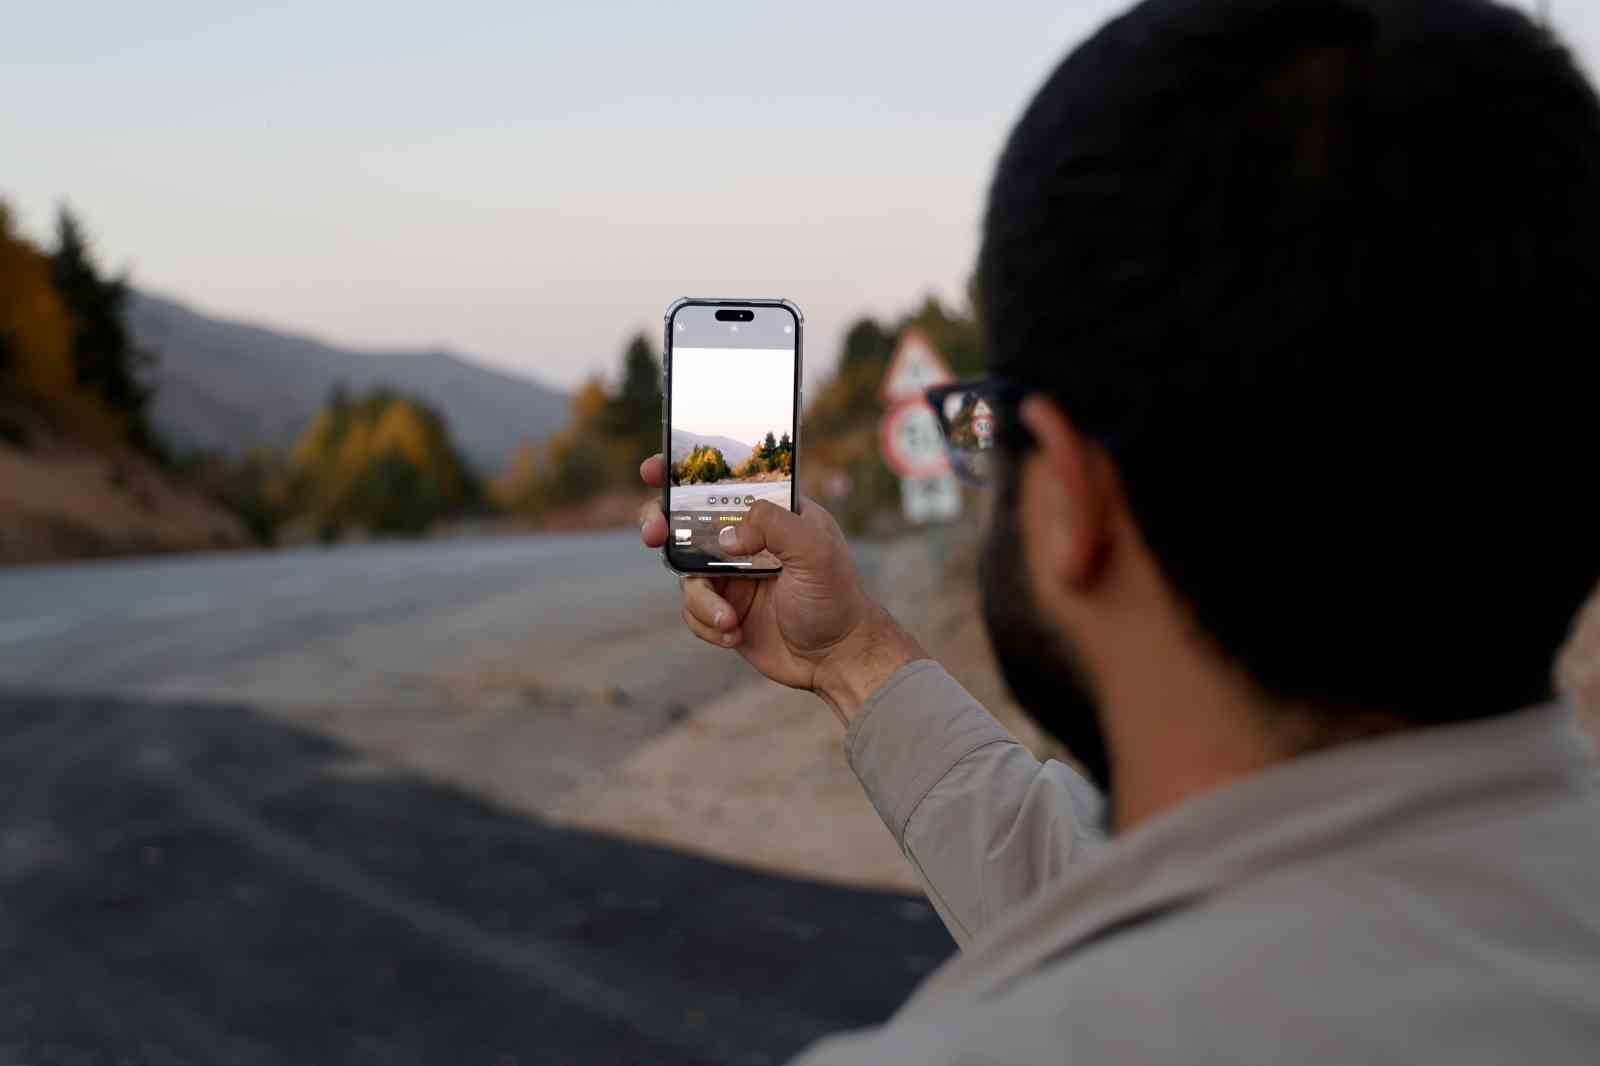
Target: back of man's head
1325,274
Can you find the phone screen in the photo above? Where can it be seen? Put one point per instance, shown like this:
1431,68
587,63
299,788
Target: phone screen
732,391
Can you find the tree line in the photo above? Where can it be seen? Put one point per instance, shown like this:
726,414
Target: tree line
771,456
612,427
385,462
705,463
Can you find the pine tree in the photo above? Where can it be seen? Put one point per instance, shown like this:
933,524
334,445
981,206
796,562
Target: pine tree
866,343
105,360
633,414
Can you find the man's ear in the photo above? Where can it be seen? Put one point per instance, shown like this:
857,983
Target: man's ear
1070,496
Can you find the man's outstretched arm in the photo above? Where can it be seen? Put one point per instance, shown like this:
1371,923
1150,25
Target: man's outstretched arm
982,821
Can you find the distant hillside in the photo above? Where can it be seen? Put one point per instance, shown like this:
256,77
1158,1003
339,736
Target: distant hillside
684,442
227,386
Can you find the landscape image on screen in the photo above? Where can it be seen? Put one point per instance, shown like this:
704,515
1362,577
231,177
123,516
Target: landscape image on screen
731,444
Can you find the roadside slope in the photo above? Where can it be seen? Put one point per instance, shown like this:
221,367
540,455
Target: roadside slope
59,500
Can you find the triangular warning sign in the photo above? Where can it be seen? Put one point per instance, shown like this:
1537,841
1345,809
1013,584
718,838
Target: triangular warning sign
915,368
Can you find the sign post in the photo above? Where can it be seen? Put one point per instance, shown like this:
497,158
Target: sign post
909,434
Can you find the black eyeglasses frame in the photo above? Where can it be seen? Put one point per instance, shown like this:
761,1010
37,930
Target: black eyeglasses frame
1003,395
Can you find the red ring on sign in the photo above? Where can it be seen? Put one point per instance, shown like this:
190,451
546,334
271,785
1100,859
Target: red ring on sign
911,464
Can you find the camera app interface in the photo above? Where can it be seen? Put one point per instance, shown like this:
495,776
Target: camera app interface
732,427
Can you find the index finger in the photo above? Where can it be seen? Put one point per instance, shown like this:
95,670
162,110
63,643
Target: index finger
653,471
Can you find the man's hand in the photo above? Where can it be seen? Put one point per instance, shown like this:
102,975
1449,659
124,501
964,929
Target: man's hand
812,626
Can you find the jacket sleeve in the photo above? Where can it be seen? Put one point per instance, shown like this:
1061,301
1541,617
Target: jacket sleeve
984,823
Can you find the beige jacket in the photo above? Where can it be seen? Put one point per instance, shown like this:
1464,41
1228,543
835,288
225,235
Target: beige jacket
1425,897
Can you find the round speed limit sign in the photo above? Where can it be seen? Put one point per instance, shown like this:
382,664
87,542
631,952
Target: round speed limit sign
911,442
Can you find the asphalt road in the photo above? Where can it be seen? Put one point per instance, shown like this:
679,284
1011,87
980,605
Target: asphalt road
199,883
710,497
188,878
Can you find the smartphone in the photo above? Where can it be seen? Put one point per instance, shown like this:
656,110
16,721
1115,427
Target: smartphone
730,425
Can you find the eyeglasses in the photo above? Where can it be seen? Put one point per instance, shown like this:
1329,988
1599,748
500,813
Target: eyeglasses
974,416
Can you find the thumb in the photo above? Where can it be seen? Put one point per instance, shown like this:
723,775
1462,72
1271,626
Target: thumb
767,527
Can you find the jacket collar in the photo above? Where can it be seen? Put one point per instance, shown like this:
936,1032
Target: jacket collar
1289,813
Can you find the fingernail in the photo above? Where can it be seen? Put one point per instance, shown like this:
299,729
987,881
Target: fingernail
729,638
720,617
726,537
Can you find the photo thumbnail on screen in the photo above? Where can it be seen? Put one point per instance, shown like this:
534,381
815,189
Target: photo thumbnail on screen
731,444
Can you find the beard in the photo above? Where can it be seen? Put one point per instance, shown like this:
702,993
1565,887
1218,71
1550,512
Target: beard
1040,665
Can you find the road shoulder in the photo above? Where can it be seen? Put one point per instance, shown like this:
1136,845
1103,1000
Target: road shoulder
757,777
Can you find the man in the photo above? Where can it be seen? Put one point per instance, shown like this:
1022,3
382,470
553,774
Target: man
1290,307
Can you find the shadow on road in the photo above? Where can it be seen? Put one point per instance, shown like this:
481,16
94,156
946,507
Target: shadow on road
203,883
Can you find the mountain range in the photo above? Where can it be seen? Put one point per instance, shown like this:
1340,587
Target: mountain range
684,442
228,386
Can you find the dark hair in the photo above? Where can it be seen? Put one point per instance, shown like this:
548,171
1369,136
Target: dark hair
1328,273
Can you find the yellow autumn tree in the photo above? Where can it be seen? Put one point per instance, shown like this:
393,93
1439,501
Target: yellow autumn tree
420,435
383,462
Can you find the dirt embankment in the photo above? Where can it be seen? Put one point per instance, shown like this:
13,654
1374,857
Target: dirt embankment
60,500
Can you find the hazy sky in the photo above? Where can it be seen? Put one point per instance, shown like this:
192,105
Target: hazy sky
529,182
743,393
